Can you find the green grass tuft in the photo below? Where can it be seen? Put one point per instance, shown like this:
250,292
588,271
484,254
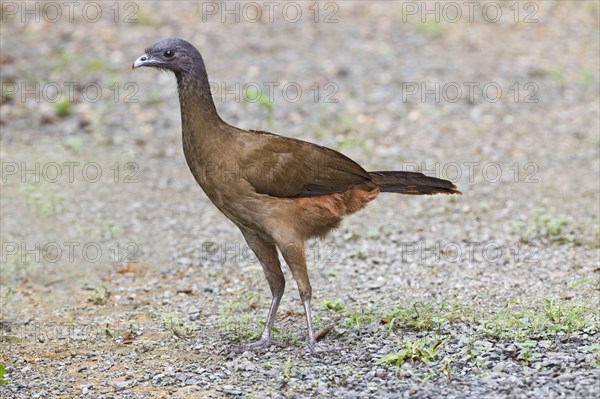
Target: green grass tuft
421,350
63,108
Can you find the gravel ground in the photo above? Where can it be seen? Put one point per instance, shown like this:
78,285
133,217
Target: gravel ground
130,284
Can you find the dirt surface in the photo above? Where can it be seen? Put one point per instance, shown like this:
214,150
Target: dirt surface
120,279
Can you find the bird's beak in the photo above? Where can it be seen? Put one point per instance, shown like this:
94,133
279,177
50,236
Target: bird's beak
144,60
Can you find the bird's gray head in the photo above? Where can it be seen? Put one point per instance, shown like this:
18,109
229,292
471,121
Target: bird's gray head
175,55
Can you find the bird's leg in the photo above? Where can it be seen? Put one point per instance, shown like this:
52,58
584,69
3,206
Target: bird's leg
296,260
265,338
311,342
311,333
267,255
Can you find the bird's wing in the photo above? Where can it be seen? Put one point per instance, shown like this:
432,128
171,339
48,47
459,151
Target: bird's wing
284,167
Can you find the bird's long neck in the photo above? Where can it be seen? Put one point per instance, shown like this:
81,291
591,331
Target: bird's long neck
195,97
199,117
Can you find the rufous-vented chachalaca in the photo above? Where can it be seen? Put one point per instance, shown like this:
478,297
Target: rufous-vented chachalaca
279,191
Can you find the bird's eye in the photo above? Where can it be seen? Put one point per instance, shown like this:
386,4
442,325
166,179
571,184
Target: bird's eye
168,54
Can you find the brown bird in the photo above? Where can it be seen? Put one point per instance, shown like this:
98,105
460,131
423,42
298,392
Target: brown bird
278,191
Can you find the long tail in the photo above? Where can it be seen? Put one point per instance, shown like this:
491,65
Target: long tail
412,183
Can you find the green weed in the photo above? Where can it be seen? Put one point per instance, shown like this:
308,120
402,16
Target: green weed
420,350
474,349
63,108
526,353
544,227
336,306
358,317
424,316
235,319
46,198
177,325
586,77
2,371
286,372
431,30
94,65
595,349
551,318
101,296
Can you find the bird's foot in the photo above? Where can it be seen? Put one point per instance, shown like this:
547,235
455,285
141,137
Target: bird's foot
315,347
260,345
